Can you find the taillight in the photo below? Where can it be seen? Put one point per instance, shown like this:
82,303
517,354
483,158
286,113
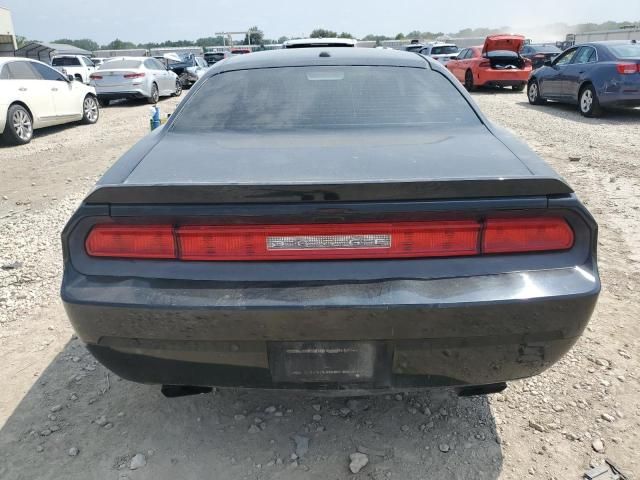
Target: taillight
627,68
484,64
526,235
134,75
449,238
329,241
94,76
131,241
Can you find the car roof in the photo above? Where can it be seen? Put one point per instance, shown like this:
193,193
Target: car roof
4,60
336,56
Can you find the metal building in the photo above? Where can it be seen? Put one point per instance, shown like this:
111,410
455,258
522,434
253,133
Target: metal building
44,51
8,44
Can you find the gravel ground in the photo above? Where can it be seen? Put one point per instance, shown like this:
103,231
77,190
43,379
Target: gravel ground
64,416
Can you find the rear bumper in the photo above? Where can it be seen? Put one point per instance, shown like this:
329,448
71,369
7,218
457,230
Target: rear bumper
506,78
453,332
622,99
115,93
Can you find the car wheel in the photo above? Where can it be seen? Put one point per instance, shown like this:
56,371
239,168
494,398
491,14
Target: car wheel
104,102
468,81
178,91
518,88
533,93
90,110
19,127
588,102
155,95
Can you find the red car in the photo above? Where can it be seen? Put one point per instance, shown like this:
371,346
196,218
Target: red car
496,63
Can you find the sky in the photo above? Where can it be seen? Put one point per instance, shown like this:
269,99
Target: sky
152,21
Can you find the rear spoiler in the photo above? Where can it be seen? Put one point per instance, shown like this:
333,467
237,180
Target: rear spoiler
290,193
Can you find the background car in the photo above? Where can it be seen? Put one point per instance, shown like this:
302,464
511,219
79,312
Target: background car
593,76
34,95
443,52
213,57
497,63
539,53
189,68
134,77
344,221
79,66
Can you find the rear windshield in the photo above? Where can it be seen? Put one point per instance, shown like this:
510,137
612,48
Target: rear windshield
292,98
501,54
65,62
111,64
545,48
444,50
629,50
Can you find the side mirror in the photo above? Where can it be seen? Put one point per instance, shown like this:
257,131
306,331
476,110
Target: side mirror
548,63
71,78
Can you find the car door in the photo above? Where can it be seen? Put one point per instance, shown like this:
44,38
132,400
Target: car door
551,81
25,84
67,96
455,65
583,61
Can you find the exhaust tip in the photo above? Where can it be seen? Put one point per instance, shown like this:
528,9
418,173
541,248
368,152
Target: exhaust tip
475,390
174,391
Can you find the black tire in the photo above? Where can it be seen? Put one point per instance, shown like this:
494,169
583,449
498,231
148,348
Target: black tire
533,93
90,110
19,127
178,91
104,102
588,102
518,88
155,95
468,81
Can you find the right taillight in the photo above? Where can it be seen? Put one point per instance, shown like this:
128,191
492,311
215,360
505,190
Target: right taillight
95,76
133,75
627,68
513,235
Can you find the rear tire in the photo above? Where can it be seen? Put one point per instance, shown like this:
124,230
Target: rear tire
588,103
178,91
468,81
155,95
19,127
518,88
90,110
533,93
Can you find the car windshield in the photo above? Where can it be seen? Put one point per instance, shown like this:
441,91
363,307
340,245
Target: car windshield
112,64
545,49
626,50
65,62
444,50
291,98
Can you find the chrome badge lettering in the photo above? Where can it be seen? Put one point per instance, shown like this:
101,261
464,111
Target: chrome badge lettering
311,242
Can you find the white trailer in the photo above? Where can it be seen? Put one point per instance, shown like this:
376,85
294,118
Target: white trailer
631,32
126,52
158,52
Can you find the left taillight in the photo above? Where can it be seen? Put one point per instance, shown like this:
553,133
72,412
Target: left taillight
447,238
132,241
628,68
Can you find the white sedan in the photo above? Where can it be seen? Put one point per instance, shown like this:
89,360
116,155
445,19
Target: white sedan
134,77
34,95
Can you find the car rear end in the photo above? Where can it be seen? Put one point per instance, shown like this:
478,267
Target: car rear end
503,69
444,53
121,78
618,81
387,255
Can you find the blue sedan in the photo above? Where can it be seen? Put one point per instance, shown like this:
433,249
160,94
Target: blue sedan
593,76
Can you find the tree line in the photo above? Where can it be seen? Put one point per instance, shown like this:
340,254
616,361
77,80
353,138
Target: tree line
255,36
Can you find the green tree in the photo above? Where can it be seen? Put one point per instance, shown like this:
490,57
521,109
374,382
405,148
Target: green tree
84,43
282,39
254,37
118,44
400,36
345,35
210,41
323,33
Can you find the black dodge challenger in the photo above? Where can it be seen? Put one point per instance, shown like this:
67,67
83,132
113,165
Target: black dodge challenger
333,218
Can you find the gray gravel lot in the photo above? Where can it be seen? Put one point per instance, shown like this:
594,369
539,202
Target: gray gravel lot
64,416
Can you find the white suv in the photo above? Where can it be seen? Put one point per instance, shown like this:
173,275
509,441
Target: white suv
34,95
79,66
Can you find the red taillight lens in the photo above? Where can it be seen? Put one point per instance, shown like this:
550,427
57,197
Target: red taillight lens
131,241
93,76
526,235
133,75
329,241
450,238
627,68
484,64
